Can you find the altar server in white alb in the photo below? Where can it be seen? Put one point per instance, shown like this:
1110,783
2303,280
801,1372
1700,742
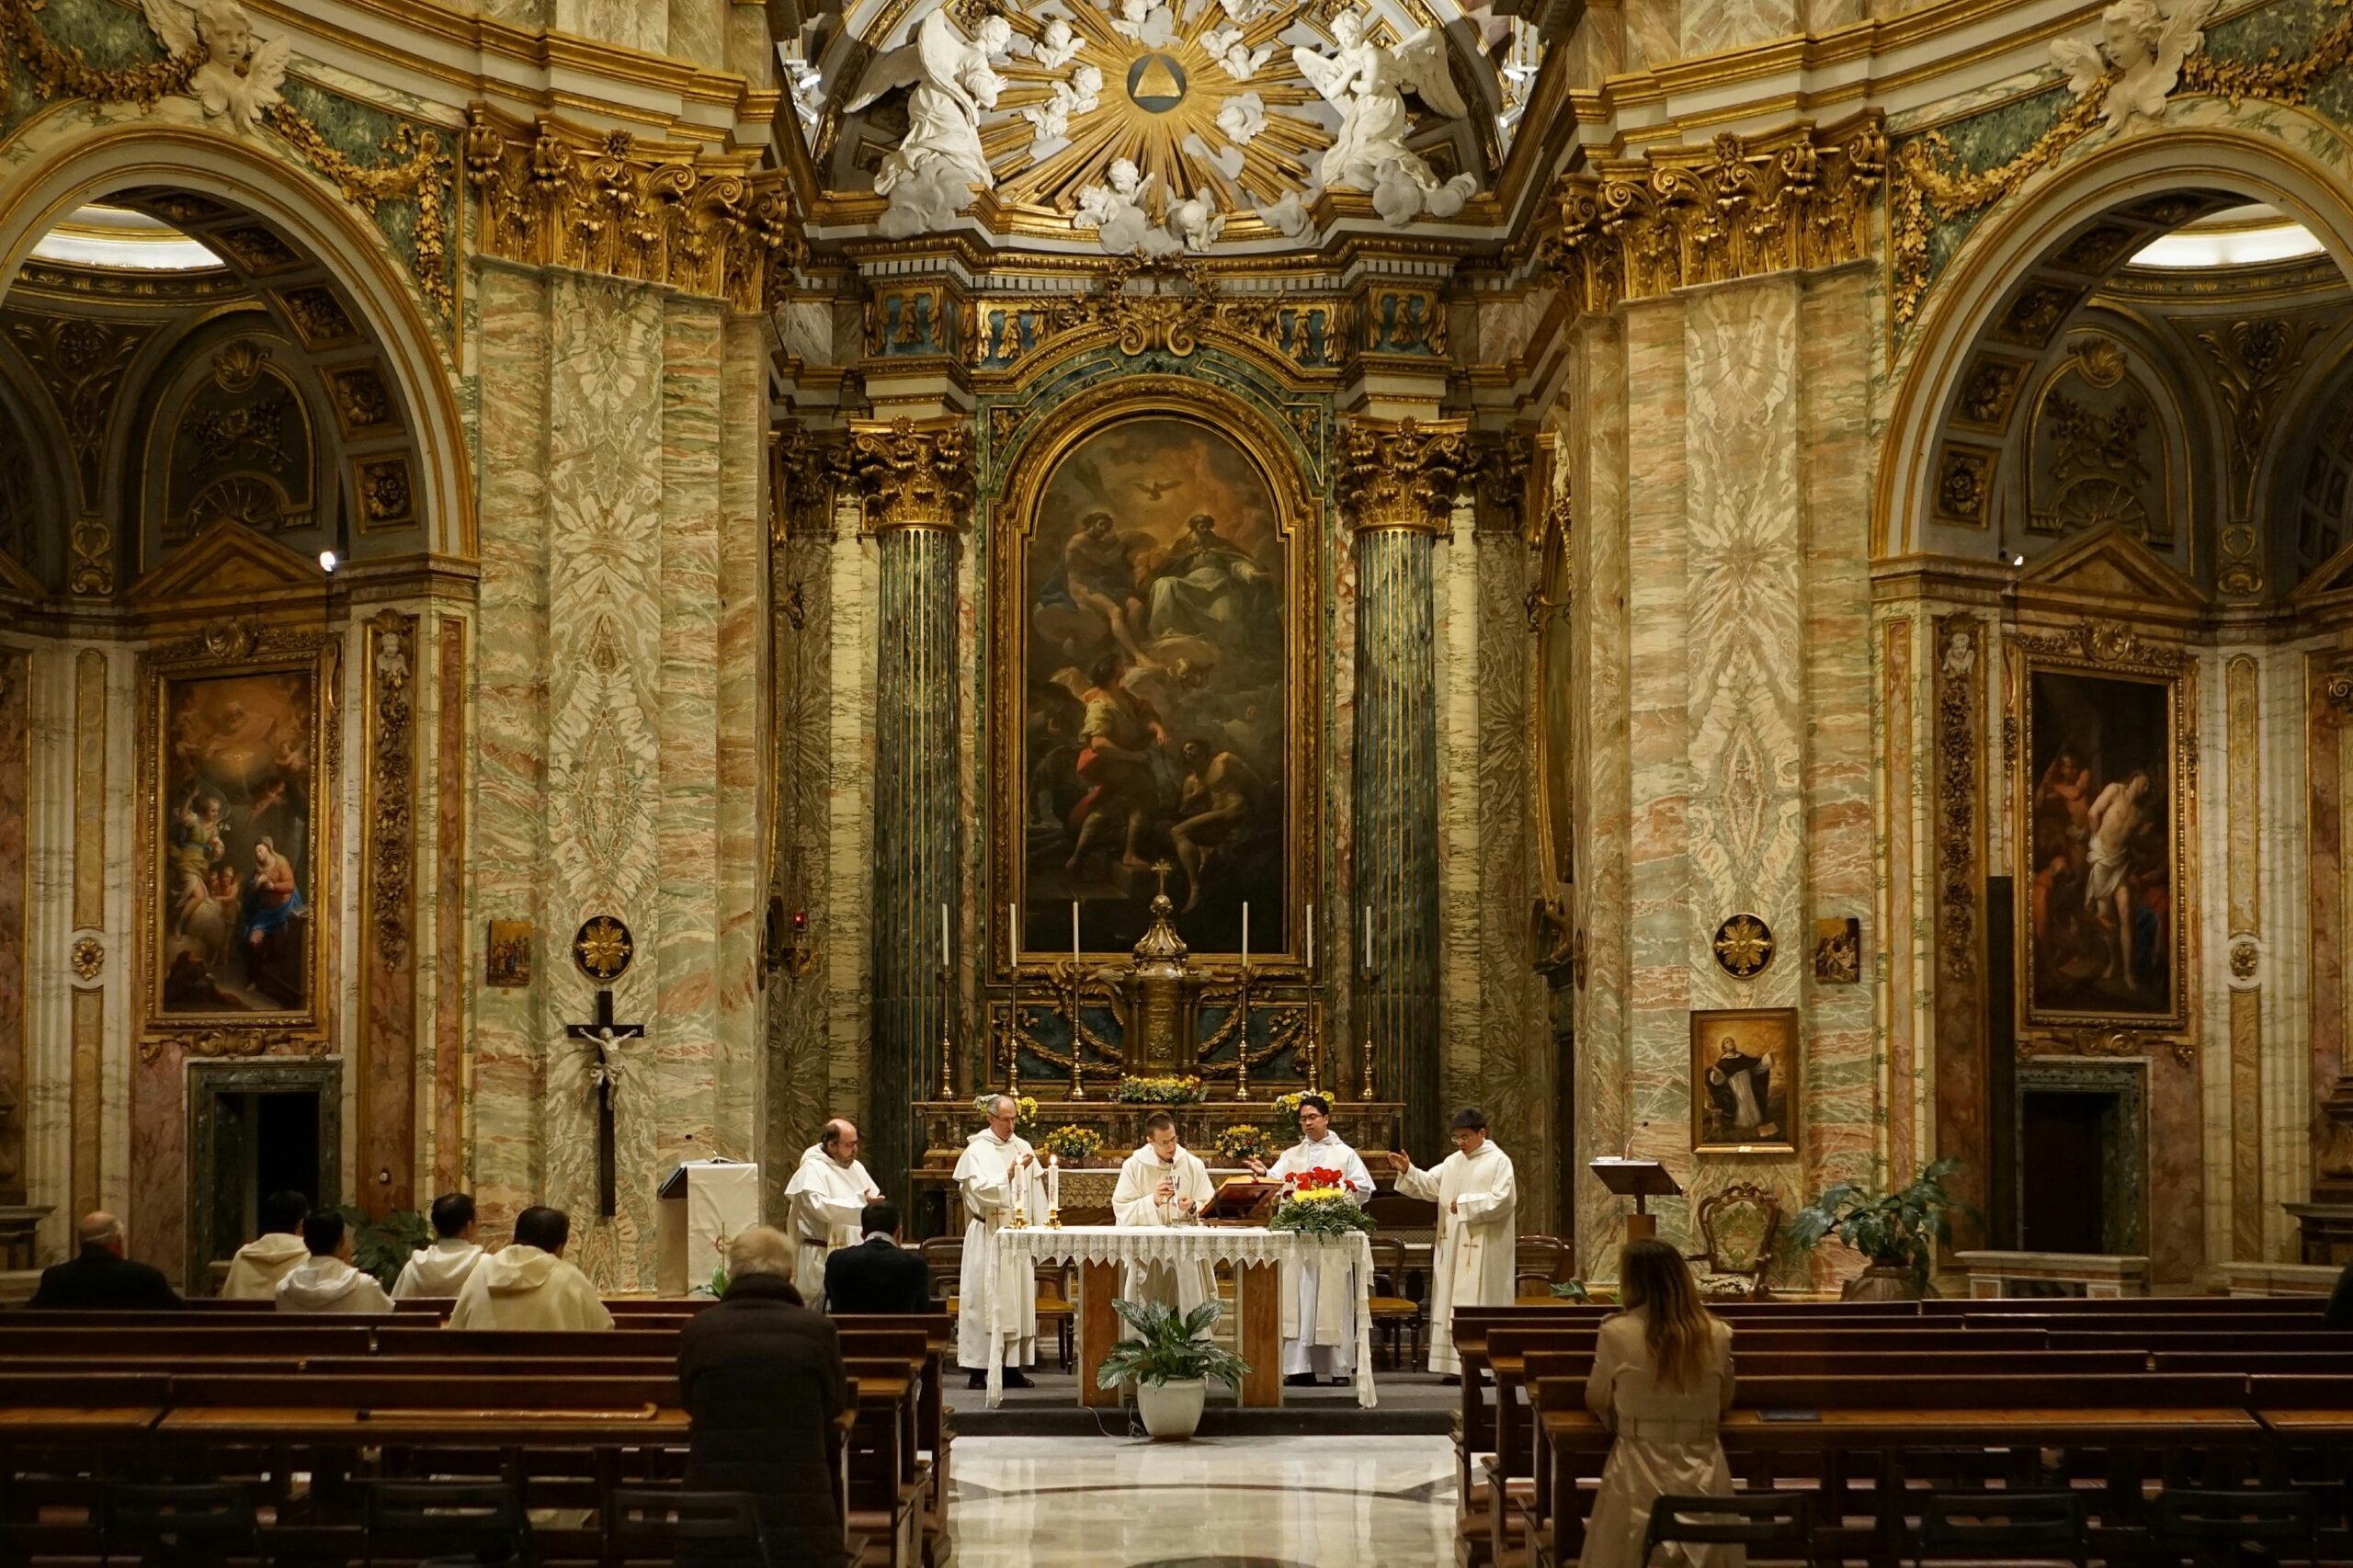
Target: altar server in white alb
1164,1184
1320,1319
1478,1237
997,1172
829,1194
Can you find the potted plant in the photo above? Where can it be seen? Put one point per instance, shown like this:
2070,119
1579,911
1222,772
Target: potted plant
1315,1204
1897,1232
1170,1365
383,1247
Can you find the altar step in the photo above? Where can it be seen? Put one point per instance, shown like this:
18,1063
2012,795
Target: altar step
1411,1404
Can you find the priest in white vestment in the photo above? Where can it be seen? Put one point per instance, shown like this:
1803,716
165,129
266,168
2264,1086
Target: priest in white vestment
828,1193
997,1172
1165,1184
1320,1330
1478,1235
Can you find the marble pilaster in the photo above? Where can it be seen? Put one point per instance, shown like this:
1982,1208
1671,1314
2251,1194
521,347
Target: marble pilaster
16,909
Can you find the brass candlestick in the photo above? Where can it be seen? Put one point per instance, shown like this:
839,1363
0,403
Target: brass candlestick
1365,1093
1054,1219
1020,1221
946,1034
1242,1038
1078,1042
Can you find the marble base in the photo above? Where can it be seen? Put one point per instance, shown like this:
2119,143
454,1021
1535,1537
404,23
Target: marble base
1994,1274
1300,1502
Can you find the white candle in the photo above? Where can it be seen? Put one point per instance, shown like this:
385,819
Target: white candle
1012,934
1246,933
1073,930
1367,956
943,936
1053,1181
1311,935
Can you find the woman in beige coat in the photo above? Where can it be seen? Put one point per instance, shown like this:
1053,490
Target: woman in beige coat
1661,1382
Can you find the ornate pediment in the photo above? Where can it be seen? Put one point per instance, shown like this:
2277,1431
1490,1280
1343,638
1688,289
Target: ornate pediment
2109,567
227,563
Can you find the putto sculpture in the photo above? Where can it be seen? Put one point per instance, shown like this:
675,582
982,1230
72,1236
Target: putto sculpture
1368,85
930,177
240,74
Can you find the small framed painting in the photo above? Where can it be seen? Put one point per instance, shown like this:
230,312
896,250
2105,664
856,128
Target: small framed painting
1745,1081
508,950
1838,951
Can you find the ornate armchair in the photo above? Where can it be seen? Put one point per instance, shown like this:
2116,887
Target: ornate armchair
1737,1227
1538,1264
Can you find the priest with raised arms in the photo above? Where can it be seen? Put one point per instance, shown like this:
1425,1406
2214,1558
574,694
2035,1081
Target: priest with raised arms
829,1194
1165,1184
997,1172
1320,1316
1478,1237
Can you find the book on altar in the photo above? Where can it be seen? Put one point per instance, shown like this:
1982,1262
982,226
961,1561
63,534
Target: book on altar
704,1204
1241,1200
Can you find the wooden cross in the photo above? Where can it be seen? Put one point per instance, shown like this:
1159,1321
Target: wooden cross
605,1037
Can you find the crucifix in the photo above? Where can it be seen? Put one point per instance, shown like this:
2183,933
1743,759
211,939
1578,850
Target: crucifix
604,1037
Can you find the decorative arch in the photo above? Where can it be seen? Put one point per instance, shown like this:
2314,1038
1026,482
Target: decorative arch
352,253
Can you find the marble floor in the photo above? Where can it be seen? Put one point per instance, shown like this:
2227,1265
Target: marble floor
1225,1503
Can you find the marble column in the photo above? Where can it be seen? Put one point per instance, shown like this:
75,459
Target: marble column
16,900
915,483
1397,491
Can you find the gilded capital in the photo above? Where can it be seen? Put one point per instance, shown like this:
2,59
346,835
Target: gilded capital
806,471
911,474
1403,474
1501,463
2339,687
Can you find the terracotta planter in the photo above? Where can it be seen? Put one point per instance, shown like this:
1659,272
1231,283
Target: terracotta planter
1881,1282
1171,1412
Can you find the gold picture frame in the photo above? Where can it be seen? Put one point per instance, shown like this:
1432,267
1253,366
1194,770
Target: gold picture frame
240,758
506,955
1747,1082
1277,936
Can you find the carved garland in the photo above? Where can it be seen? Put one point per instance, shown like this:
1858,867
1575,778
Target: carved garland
1929,175
1173,320
392,823
1959,651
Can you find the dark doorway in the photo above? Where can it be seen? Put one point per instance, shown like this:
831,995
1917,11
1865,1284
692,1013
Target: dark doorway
255,1130
2064,1141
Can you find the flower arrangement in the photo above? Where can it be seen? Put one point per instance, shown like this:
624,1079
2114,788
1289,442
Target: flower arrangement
1287,1109
1318,1205
1243,1141
1159,1091
1072,1143
1025,1111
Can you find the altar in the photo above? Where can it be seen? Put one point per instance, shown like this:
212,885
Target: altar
1105,1255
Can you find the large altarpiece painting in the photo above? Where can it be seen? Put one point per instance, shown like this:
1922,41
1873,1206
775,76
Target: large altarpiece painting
1155,680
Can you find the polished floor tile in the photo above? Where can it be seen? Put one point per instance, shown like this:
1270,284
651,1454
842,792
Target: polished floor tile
1226,1503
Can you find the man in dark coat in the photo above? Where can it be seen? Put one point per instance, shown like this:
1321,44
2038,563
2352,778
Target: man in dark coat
102,1276
761,1376
878,1275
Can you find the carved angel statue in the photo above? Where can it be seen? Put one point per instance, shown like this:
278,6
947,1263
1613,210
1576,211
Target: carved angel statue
1368,85
1242,117
1241,10
1239,61
1116,212
240,74
1194,222
1055,47
930,174
1289,217
2144,41
1152,26
1083,94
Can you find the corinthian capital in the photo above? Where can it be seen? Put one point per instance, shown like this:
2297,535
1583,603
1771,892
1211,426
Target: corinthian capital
1403,474
911,474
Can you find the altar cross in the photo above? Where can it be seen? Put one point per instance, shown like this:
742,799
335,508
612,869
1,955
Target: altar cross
604,1037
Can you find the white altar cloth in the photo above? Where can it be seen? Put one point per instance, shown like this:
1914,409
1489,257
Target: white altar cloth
1137,1248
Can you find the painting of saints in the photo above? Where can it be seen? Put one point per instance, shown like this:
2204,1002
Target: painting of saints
1157,702
2100,924
233,910
1743,1063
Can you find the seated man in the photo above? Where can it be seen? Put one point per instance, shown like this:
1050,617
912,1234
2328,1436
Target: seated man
269,1257
101,1276
328,1283
443,1269
878,1275
526,1283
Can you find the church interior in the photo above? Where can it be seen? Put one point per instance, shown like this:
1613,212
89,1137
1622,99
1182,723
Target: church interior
681,610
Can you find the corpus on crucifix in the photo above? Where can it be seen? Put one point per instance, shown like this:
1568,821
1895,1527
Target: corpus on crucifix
602,949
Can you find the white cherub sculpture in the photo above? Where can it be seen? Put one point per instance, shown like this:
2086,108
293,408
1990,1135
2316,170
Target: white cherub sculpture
1195,223
1055,47
930,174
1152,26
1242,117
1116,212
1368,85
1241,62
2143,40
241,76
1082,94
1289,217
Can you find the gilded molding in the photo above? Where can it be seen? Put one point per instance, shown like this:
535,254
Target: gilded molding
1501,462
2110,1044
1743,207
2255,361
391,818
2338,686
1302,332
808,469
1959,651
556,194
912,475
1403,474
89,958
216,1042
2098,642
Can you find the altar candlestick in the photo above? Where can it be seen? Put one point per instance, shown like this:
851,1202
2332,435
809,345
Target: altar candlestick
1246,933
1012,934
1053,1181
1367,936
943,936
1311,938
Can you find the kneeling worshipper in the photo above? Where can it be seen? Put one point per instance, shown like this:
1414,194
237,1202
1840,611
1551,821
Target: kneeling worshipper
829,1194
527,1284
1165,1184
1320,1308
997,1172
327,1283
1478,1235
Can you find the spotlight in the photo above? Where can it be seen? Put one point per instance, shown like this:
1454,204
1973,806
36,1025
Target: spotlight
327,561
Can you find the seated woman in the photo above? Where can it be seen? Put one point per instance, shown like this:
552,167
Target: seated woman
1661,1382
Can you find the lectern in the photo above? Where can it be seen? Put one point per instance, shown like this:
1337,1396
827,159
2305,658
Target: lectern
1637,1179
703,1204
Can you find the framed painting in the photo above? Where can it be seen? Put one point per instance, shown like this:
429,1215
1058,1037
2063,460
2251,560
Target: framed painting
237,755
1745,1081
1154,679
507,954
2103,802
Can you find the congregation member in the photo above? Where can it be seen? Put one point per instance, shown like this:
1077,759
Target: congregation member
1320,1309
269,1257
326,1282
99,1275
1478,1235
1661,1383
761,1378
528,1283
440,1270
997,1172
828,1194
1165,1184
879,1274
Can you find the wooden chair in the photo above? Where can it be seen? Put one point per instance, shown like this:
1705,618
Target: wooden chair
1057,1305
1737,1226
1394,1314
1538,1264
943,1260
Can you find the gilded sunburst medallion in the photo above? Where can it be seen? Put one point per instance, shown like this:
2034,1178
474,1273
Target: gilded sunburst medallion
603,947
1744,946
